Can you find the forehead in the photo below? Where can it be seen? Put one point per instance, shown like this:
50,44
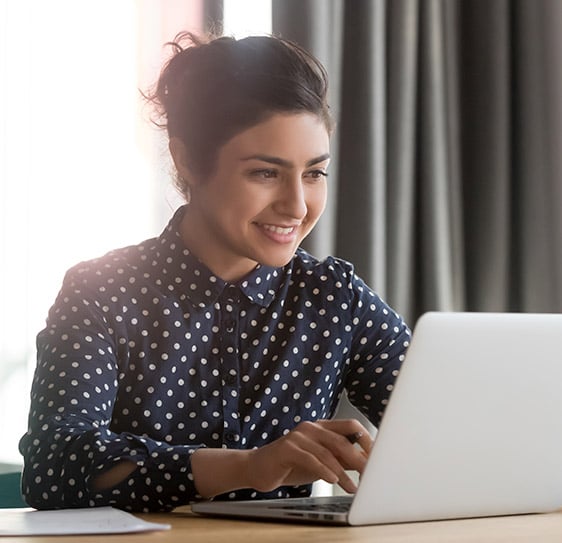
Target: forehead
298,137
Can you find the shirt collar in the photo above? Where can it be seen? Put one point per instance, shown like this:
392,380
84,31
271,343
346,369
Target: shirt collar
185,274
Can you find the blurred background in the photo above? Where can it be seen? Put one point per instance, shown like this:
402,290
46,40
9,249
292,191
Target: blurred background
446,182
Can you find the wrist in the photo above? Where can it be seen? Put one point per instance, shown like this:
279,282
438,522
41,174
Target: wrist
216,471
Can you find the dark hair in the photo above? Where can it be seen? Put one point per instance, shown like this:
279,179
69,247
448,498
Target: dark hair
210,90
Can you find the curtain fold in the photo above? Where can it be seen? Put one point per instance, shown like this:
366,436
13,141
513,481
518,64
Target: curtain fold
447,184
485,76
401,142
439,217
537,165
361,209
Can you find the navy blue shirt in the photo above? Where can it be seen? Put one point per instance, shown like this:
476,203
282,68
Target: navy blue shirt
147,356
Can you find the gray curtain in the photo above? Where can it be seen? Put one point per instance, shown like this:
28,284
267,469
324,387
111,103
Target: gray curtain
446,183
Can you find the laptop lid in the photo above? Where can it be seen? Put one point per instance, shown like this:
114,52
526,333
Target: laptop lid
473,427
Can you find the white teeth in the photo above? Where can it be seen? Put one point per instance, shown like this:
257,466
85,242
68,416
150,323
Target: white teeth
278,229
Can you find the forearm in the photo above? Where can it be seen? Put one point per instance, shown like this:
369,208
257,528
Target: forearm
149,475
114,476
216,471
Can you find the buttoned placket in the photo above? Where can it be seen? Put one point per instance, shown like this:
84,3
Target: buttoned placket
230,374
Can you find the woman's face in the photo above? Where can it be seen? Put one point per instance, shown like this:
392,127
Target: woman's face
266,194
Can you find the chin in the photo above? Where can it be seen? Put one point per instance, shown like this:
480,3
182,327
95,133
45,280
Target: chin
275,256
277,262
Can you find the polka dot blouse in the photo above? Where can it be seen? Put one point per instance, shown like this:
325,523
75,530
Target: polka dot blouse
147,356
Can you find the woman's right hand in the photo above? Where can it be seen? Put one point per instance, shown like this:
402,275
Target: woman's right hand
311,451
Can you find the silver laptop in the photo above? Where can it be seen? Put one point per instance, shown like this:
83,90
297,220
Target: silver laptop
473,428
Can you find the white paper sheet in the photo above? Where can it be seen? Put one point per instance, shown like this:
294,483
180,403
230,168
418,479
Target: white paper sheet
94,520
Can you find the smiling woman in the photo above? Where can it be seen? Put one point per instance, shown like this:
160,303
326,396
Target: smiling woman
210,360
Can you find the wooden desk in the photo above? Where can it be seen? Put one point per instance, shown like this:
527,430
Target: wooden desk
190,528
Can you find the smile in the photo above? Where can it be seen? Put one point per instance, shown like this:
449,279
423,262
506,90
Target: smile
278,229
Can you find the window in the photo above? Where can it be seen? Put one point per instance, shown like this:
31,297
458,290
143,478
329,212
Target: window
82,171
247,17
74,181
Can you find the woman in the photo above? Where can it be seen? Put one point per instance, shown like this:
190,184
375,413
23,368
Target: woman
209,361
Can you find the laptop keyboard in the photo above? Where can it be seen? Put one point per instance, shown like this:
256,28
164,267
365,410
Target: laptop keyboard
336,506
329,507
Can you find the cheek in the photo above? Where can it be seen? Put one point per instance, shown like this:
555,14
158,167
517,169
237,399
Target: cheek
226,197
316,201
238,207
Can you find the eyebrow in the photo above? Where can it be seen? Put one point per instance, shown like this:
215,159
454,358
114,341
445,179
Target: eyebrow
285,163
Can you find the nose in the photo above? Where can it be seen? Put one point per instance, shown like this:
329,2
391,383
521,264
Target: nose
291,199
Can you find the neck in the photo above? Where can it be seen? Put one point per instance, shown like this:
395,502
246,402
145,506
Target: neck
203,245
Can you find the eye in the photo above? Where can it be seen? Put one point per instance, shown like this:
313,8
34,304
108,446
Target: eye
264,173
316,174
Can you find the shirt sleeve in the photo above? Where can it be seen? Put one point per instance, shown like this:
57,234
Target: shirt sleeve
380,340
69,439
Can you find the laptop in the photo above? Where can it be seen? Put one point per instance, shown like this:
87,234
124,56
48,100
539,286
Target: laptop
473,428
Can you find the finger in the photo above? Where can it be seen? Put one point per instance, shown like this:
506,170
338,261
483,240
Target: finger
347,483
321,460
351,455
345,427
353,430
288,461
366,443
326,466
318,464
321,453
338,454
336,435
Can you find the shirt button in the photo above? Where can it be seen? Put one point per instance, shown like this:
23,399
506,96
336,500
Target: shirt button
230,436
230,326
230,379
232,294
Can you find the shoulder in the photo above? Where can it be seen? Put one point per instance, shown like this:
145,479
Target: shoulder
329,271
115,264
333,283
332,267
331,274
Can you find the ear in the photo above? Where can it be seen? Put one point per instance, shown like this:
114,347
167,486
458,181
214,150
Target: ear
179,156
